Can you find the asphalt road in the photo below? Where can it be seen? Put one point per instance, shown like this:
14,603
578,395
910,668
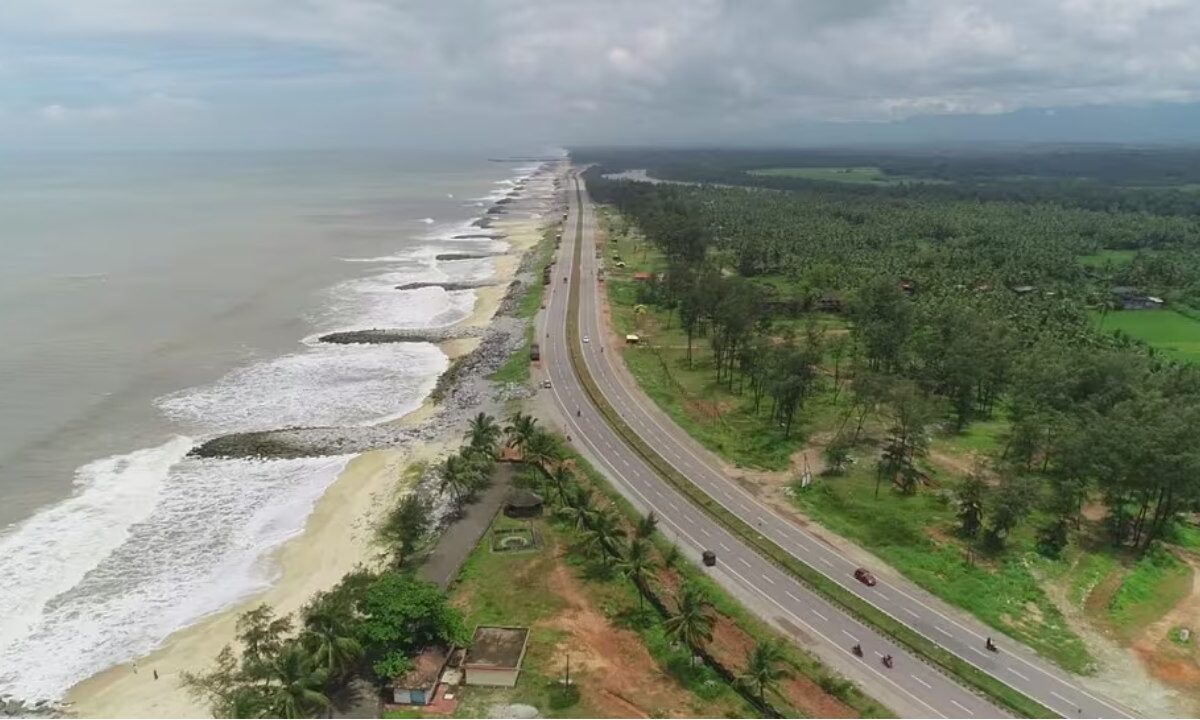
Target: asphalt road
911,687
926,689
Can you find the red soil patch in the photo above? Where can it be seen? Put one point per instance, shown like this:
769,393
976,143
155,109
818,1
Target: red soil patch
618,677
1176,665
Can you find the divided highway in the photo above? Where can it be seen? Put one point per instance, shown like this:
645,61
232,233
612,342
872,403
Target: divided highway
921,687
912,687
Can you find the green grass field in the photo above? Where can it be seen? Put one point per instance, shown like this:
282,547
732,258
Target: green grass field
1176,335
720,418
862,174
912,535
1108,258
516,368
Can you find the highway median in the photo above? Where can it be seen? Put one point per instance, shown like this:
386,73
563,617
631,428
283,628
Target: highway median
991,687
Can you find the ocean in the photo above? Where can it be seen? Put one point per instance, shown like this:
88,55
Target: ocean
150,301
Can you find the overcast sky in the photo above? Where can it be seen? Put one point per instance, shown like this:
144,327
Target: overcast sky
236,73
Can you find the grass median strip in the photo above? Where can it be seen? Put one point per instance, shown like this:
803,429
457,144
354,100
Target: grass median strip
998,691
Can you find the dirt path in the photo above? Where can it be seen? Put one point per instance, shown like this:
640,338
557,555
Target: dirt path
1120,674
1176,664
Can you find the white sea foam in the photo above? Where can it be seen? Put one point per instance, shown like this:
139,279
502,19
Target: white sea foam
51,552
151,540
321,385
196,544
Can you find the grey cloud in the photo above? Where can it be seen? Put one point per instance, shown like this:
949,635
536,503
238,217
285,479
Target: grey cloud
592,68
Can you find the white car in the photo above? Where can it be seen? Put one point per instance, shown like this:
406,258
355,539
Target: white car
585,338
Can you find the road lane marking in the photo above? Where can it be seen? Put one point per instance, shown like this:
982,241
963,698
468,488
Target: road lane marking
764,577
910,612
789,594
725,547
818,614
850,636
1014,672
961,706
939,629
927,685
742,560
682,532
826,562
885,597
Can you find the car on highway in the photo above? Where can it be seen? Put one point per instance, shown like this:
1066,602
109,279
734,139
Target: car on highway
865,577
585,338
545,383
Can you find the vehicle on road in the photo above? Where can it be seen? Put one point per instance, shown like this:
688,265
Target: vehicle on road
545,383
887,660
709,557
857,650
991,645
585,338
865,577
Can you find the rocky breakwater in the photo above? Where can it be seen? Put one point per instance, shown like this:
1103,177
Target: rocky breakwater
11,707
375,336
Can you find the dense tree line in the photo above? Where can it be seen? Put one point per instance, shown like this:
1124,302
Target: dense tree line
1130,180
955,308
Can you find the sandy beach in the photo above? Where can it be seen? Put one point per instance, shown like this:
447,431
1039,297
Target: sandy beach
337,537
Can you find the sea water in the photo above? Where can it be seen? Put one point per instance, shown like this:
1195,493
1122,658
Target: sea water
150,301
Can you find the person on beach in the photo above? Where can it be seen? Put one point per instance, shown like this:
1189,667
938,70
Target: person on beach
156,673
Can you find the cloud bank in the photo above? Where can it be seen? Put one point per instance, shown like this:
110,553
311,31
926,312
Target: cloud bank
581,71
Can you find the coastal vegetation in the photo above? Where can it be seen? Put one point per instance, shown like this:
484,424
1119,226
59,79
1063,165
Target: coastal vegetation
719,656
368,627
943,360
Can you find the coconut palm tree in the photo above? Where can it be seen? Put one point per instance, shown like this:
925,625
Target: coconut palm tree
296,684
520,429
327,637
646,526
542,451
456,474
484,434
603,533
563,480
578,508
763,671
638,566
692,622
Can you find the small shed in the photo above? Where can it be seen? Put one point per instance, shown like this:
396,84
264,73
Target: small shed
495,655
632,339
523,503
416,687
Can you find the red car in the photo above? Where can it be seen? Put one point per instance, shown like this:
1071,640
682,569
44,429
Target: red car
864,577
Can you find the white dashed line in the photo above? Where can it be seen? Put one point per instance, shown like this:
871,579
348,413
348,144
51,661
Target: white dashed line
962,707
927,685
725,547
764,577
850,636
818,614
939,629
910,612
1014,672
743,561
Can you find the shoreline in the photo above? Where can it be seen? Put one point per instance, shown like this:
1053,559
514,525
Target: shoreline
337,536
